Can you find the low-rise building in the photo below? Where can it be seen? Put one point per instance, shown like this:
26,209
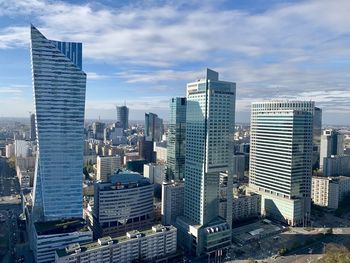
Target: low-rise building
52,235
246,206
152,245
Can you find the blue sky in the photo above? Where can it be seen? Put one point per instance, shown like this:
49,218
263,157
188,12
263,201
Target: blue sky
144,52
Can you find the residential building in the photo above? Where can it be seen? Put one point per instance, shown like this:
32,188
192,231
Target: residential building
246,206
152,245
332,143
153,127
23,148
59,93
160,148
172,201
123,117
10,150
123,203
176,139
329,191
107,166
154,172
281,158
210,118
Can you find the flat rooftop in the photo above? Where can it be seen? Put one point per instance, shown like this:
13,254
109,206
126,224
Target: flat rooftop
61,226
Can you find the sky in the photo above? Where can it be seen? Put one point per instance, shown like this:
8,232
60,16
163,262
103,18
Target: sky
142,53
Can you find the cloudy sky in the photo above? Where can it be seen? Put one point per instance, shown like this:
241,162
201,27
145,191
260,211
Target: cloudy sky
144,52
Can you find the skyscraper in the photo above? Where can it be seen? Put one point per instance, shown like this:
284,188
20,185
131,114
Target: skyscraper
210,118
59,92
123,116
153,127
317,131
32,132
281,158
176,139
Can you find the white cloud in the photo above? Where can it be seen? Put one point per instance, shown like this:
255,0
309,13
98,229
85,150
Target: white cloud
97,76
11,89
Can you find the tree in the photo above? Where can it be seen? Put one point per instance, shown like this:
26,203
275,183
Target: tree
335,254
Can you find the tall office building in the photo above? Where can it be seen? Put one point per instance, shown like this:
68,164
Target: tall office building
332,143
281,158
210,119
123,116
98,130
59,92
107,166
32,131
153,127
176,139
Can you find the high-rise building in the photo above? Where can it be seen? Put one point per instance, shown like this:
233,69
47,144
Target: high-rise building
172,201
59,91
281,158
107,166
123,116
176,139
32,132
210,118
153,127
332,143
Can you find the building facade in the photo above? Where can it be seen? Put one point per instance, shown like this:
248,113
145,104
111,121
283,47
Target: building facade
332,143
280,171
32,131
122,204
176,139
152,245
172,201
59,93
336,165
153,127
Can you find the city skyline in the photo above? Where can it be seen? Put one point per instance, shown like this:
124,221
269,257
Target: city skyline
268,52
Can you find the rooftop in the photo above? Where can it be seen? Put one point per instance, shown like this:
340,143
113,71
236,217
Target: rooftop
61,226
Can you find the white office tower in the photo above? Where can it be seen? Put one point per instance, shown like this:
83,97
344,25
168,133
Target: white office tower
209,151
281,158
107,166
332,143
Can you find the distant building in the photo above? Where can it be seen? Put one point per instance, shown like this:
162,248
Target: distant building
146,149
281,158
152,245
160,148
329,191
239,166
336,165
154,172
98,130
176,139
123,116
123,203
332,143
172,201
23,148
153,127
107,166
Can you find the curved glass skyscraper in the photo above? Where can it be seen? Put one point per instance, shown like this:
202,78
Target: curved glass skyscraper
59,92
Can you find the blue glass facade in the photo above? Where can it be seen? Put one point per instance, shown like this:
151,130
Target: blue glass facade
59,96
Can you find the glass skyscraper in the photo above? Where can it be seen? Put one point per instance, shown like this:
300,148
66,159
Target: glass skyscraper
210,121
153,127
176,139
281,143
123,116
59,93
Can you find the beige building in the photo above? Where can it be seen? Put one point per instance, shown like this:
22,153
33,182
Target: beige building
106,166
150,245
329,191
246,206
